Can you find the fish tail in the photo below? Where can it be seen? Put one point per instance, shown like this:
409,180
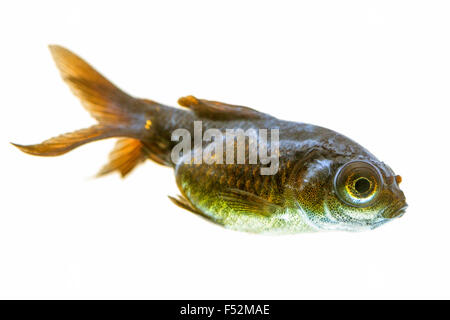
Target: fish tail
117,113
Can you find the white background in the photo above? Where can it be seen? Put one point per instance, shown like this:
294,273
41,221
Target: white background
376,71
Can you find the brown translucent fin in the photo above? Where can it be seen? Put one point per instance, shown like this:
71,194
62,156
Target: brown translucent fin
248,203
110,106
218,110
104,101
125,156
64,143
118,115
183,203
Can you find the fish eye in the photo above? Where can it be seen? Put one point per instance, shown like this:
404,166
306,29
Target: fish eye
362,185
358,183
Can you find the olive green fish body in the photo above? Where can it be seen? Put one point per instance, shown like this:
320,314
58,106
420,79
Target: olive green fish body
240,198
305,151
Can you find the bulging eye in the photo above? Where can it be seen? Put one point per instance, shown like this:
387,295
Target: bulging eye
358,183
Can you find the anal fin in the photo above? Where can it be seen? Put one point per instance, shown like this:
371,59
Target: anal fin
125,156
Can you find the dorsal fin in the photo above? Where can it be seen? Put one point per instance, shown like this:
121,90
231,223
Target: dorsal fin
218,110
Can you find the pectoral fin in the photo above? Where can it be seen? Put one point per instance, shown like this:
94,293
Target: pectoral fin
248,203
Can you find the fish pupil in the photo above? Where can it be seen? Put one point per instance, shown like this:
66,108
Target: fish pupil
362,185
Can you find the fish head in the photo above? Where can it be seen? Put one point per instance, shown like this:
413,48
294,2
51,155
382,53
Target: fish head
343,193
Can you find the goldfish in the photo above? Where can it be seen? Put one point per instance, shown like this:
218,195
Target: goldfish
314,179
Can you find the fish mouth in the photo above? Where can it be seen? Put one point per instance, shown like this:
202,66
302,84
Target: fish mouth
395,211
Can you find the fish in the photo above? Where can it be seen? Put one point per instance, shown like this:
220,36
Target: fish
314,179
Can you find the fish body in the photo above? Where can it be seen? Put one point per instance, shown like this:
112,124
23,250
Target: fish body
321,179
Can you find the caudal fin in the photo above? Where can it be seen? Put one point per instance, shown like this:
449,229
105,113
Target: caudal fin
104,101
111,107
68,141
